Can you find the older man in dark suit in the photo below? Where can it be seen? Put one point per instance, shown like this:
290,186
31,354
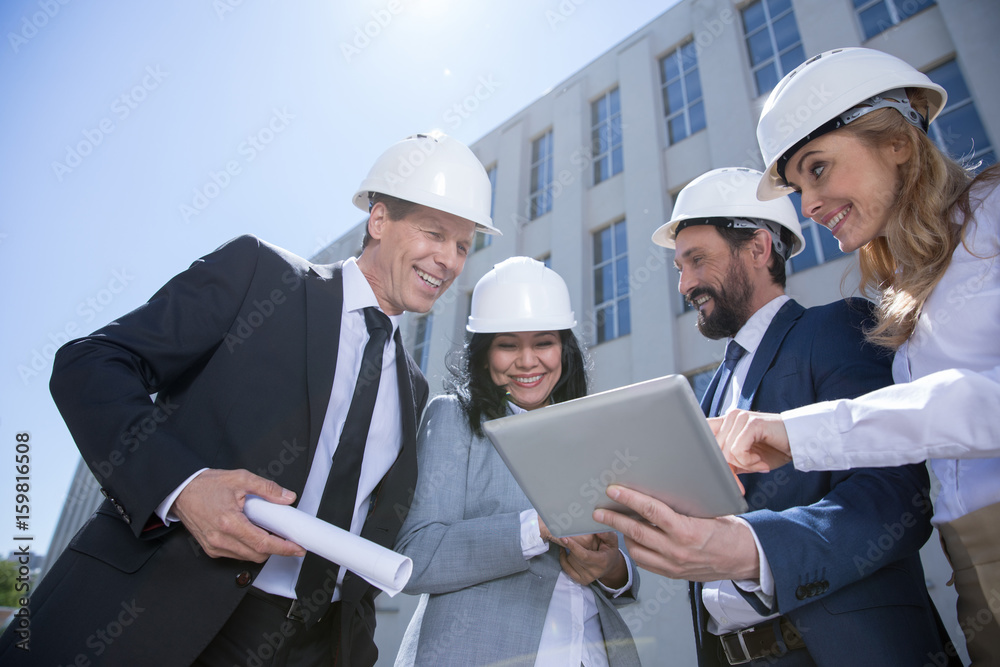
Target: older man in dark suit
257,360
824,569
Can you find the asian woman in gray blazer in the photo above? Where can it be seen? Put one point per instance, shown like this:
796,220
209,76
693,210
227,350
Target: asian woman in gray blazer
496,586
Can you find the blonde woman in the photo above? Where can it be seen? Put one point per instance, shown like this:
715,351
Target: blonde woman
928,241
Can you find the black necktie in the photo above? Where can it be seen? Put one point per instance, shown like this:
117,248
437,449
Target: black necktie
734,352
318,575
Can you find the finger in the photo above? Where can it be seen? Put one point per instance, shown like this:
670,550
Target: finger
570,569
575,549
588,541
236,537
267,489
609,538
736,472
715,423
625,525
649,508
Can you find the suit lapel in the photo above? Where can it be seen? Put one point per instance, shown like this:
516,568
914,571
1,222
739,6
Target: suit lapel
324,305
767,350
407,404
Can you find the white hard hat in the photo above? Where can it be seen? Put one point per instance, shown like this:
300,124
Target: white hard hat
520,294
436,171
829,91
727,197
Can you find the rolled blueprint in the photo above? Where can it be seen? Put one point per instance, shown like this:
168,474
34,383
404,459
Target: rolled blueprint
375,564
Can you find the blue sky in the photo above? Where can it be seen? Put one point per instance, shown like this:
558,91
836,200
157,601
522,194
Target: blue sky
137,137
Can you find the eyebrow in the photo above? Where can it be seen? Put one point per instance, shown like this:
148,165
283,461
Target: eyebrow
687,253
798,165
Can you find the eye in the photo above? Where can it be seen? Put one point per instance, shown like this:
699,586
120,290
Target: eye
817,170
462,248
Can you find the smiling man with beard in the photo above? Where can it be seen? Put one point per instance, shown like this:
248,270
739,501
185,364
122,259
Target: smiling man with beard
794,580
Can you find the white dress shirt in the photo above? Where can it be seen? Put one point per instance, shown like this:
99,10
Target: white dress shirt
280,573
946,405
572,633
727,609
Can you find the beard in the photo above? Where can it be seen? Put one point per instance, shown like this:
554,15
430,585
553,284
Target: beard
731,304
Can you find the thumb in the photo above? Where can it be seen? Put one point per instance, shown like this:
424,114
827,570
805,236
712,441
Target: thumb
269,490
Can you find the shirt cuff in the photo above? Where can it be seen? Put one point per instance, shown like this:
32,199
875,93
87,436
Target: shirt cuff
163,509
763,586
815,435
615,592
532,543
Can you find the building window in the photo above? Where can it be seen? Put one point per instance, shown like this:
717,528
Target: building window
606,136
541,175
682,101
422,341
483,240
611,301
958,130
773,41
821,246
877,16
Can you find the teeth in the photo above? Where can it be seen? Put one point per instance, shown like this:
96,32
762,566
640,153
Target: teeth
832,222
429,278
534,378
701,300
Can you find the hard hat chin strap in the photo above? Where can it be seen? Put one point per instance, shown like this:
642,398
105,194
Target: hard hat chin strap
895,99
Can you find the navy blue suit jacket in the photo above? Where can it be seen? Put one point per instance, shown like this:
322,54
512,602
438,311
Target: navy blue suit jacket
843,546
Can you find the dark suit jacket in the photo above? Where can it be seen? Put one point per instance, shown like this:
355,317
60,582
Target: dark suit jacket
240,351
843,546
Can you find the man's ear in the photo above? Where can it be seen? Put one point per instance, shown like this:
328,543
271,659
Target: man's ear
377,219
761,248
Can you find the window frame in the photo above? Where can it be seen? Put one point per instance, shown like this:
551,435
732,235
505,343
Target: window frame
540,195
678,55
776,53
617,301
615,144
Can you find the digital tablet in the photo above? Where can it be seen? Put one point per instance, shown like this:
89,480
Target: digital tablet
650,436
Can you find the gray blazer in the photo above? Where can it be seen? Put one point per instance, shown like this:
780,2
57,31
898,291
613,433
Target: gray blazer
483,603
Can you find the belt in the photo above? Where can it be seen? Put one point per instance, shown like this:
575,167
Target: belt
768,639
292,608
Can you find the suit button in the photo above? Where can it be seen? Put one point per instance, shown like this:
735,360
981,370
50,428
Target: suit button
800,593
244,578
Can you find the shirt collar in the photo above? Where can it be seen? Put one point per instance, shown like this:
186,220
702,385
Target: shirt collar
752,333
358,294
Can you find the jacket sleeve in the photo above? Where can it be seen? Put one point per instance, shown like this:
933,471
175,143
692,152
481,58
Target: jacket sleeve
450,550
632,594
849,524
103,383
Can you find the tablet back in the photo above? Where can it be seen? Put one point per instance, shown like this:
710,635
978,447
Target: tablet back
650,436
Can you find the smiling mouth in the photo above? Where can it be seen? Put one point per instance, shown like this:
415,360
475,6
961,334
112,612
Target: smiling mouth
429,279
835,220
528,380
700,301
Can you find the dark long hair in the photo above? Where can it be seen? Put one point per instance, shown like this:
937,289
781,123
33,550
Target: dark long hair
481,399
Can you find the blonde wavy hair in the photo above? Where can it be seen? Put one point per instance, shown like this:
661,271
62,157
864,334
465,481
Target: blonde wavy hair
901,268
